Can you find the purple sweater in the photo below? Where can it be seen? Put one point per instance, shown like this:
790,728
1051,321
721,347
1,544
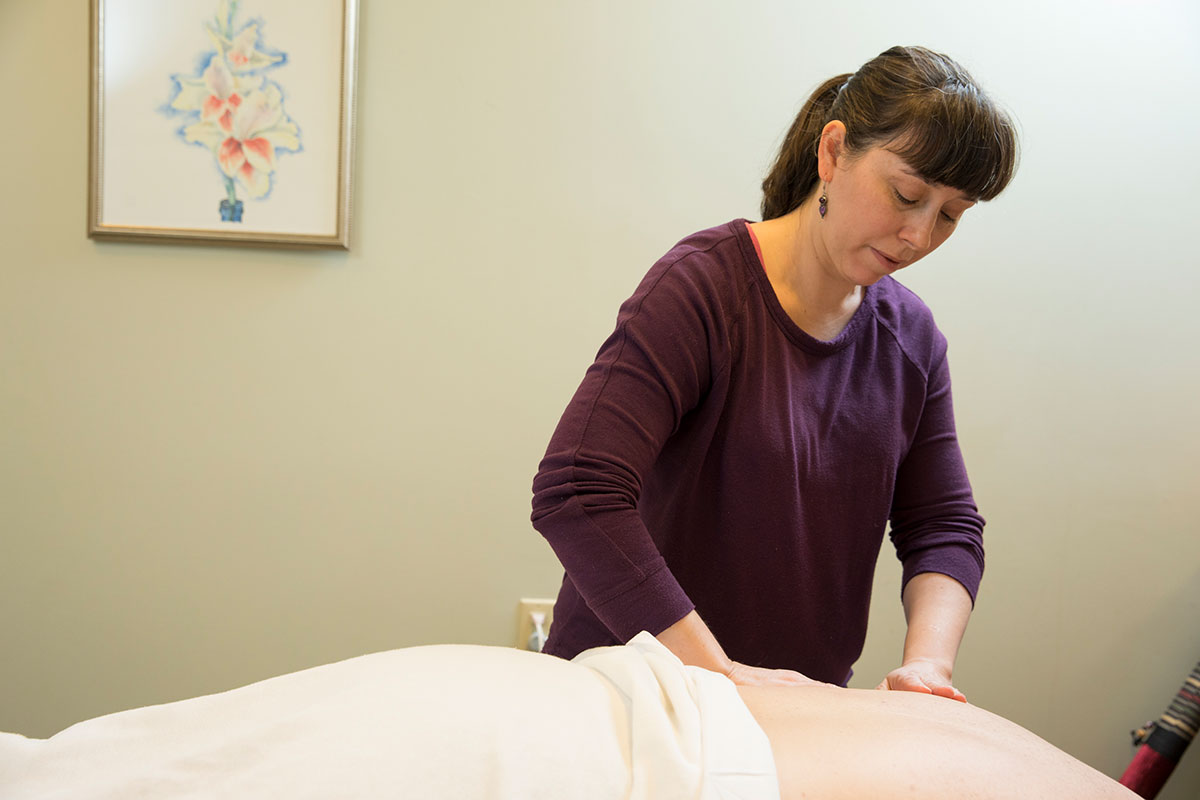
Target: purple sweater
717,457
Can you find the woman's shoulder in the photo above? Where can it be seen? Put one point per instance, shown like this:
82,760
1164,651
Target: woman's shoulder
907,319
709,266
711,250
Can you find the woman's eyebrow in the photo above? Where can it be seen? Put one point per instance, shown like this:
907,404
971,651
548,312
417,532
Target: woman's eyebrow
907,170
912,173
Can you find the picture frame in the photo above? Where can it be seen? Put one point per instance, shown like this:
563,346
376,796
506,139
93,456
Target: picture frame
222,121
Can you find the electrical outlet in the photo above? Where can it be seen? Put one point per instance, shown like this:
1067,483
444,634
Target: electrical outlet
525,611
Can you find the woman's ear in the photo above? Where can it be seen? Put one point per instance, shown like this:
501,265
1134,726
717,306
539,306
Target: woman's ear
830,148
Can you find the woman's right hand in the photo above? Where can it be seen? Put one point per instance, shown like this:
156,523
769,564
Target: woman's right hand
746,675
693,643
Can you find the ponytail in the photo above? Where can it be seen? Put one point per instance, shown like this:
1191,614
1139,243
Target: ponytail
794,173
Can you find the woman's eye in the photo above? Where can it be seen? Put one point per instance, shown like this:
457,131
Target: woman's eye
902,198
949,218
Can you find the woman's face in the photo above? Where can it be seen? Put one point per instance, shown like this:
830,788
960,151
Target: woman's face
882,216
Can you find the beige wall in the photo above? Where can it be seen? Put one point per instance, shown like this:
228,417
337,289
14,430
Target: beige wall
218,465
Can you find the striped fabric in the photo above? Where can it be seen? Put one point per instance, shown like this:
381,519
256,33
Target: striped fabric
1182,718
1163,741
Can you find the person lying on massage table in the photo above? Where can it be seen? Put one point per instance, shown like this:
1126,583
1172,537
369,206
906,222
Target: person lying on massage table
466,721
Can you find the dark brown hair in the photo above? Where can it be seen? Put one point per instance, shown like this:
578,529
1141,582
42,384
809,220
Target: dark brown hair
921,105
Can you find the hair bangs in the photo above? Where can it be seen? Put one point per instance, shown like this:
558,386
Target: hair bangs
960,140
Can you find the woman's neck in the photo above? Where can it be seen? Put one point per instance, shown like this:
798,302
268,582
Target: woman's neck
798,266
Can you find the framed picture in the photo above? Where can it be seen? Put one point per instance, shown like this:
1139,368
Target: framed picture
222,121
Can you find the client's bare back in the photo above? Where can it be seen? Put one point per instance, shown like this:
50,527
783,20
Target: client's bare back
837,743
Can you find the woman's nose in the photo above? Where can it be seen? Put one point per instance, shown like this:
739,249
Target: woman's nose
918,233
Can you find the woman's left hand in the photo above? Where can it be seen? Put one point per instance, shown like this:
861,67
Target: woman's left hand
923,677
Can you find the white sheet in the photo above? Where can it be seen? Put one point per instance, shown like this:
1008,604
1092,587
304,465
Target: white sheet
447,721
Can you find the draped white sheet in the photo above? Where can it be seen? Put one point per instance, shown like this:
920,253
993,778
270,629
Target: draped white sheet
445,721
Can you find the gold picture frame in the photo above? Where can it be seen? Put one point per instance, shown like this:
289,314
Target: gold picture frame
222,121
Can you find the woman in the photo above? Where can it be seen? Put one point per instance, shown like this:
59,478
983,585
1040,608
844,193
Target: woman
771,399
492,723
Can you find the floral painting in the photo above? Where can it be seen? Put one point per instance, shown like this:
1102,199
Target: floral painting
222,121
235,110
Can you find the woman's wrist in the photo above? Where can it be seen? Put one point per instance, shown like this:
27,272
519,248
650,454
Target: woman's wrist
694,644
943,665
937,608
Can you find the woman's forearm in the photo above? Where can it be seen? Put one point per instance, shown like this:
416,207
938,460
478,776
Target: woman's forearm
937,608
694,644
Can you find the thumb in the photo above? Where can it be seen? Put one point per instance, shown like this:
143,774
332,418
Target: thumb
950,692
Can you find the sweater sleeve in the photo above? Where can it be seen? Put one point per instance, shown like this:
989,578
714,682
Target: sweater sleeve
651,371
935,524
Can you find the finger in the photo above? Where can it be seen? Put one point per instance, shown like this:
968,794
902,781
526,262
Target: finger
800,679
781,677
745,675
911,683
950,693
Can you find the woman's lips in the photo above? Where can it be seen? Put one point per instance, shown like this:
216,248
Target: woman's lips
889,264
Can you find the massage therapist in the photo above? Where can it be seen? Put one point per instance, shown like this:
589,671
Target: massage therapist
772,399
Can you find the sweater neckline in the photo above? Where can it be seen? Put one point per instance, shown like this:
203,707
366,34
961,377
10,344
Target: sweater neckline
797,335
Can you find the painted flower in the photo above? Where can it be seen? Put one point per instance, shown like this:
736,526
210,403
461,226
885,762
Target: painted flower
247,150
216,94
242,49
234,111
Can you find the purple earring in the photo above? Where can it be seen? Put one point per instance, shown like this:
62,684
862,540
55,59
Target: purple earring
822,204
